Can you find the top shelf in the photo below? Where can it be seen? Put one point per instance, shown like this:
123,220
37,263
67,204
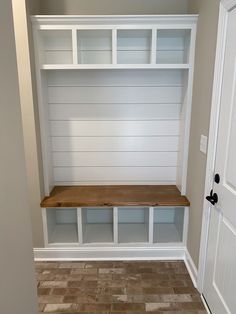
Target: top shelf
178,19
115,195
72,46
111,66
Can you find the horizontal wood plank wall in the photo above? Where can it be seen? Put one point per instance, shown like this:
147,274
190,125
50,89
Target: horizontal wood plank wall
114,127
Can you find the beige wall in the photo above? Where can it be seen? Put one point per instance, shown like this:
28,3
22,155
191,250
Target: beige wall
202,90
113,6
33,6
24,46
17,284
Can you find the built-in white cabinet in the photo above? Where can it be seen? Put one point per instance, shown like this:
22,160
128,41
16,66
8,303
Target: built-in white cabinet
115,42
114,47
116,226
127,46
114,97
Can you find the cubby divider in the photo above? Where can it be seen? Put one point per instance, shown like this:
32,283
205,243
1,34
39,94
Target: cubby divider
151,216
115,223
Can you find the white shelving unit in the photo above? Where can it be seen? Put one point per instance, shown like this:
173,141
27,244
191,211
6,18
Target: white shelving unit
135,48
114,96
112,90
115,226
117,42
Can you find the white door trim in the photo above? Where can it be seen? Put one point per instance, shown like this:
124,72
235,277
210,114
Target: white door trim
225,7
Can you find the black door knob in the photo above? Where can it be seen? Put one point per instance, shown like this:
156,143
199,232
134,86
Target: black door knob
217,178
212,198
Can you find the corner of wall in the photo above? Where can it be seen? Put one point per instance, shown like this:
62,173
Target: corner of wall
200,120
29,116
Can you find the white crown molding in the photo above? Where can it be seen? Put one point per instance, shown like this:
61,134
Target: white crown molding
111,19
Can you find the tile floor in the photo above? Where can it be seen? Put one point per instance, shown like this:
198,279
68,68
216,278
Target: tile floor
116,288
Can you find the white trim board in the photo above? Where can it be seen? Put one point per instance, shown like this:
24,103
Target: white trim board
191,267
109,253
225,7
205,304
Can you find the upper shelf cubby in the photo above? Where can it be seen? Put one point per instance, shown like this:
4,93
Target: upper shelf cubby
55,46
134,46
118,42
172,46
94,46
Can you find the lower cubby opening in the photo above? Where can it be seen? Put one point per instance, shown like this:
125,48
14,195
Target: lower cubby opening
168,225
62,225
97,225
133,225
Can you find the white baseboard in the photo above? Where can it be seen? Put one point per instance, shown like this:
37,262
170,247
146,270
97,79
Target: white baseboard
109,253
205,304
191,267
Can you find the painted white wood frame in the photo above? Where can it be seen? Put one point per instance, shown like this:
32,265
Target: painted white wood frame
157,104
225,7
58,225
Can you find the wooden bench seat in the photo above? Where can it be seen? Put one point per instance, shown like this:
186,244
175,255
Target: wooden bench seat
115,195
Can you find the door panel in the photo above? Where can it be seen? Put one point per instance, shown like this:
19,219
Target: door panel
230,178
220,277
225,266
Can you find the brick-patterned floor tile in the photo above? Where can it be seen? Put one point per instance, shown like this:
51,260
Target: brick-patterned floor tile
44,291
116,288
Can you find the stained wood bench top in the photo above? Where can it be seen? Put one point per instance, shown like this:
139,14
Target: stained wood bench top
115,195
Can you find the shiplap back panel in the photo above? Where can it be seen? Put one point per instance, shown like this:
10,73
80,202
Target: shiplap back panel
113,94
115,144
114,127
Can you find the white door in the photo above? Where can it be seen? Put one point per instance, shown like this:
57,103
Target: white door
220,275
